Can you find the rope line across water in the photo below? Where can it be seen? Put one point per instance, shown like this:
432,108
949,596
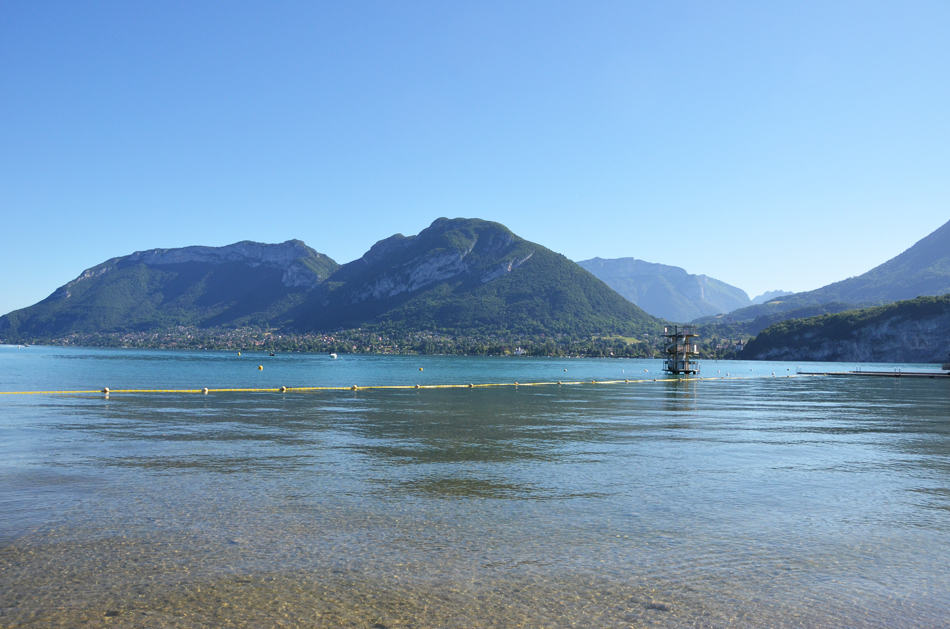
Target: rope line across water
283,389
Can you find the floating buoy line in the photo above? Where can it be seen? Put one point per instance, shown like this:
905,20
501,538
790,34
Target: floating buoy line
354,387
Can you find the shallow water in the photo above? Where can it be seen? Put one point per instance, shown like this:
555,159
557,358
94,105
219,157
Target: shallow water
755,502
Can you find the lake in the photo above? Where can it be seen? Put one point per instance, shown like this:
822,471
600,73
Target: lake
750,500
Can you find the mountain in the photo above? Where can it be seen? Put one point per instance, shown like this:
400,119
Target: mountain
244,283
769,295
922,270
459,276
467,275
916,330
667,291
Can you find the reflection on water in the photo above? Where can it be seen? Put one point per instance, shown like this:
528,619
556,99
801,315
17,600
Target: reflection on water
766,502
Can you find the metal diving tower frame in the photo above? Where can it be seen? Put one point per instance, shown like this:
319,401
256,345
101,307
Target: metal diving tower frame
681,352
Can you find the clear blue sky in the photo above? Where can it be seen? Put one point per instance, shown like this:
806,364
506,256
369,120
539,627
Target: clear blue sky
767,144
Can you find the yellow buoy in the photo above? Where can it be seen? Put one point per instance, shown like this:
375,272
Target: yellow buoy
239,353
420,368
260,367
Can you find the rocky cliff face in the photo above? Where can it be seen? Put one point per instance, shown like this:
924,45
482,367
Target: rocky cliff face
910,331
446,250
464,275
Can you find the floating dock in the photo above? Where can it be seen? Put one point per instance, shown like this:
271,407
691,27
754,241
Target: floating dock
880,374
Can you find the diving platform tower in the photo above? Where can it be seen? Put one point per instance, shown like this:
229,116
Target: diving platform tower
681,352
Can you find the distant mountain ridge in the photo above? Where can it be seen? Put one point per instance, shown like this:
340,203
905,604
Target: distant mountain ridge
667,291
302,265
245,283
923,269
457,275
769,295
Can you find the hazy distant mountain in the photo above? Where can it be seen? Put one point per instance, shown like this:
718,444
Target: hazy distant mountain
907,331
461,275
770,295
924,269
244,283
667,291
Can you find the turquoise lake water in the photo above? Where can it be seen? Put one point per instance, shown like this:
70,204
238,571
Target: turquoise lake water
761,501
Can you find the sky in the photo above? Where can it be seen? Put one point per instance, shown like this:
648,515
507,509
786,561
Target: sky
771,145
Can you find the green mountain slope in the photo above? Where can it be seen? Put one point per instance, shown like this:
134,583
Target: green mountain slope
924,269
243,283
667,291
916,330
468,276
460,276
